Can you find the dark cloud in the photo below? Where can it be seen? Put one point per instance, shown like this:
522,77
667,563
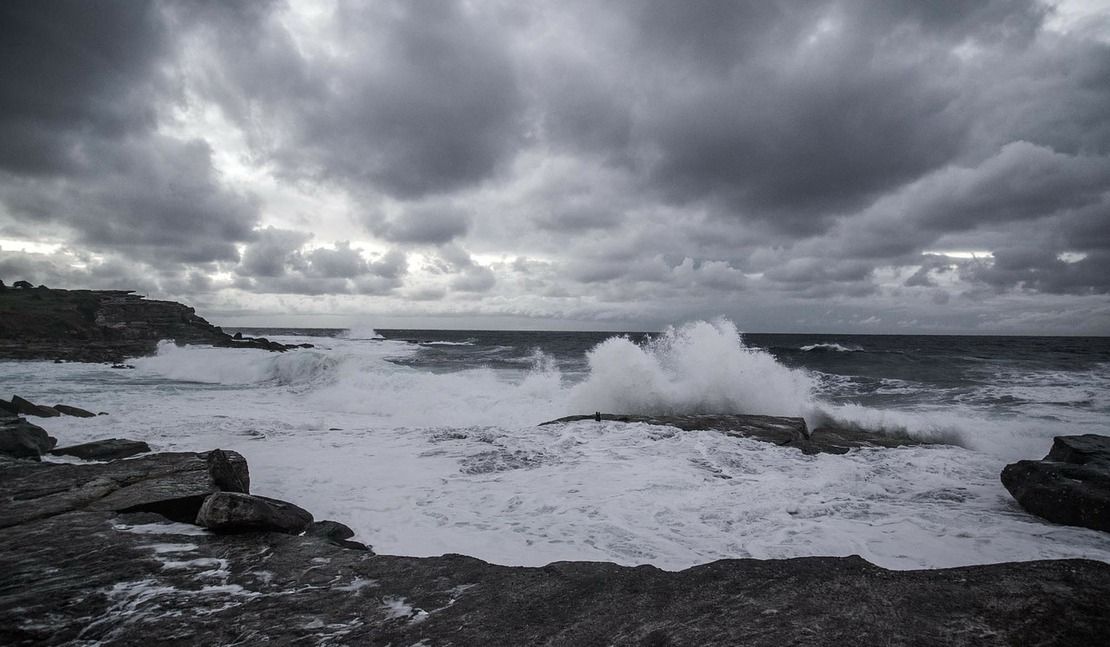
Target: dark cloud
83,86
431,224
424,99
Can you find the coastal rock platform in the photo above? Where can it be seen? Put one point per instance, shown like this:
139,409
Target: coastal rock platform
780,430
78,571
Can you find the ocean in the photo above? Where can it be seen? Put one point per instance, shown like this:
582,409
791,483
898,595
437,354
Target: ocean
426,442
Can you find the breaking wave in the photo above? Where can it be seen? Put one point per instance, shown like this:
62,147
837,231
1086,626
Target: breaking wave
699,367
831,347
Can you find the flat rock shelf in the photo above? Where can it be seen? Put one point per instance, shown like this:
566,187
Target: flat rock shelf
79,569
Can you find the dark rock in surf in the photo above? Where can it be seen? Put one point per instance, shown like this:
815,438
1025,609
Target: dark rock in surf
1071,485
7,408
21,439
104,450
780,430
233,512
74,411
28,408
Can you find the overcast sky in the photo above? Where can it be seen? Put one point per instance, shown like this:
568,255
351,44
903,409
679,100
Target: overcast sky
827,166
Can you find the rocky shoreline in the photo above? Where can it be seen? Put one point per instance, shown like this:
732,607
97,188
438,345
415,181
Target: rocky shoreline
102,326
79,570
173,547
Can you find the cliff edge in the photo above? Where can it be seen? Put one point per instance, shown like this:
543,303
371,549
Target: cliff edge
100,325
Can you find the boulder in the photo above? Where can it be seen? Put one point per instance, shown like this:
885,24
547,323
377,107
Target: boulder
104,450
173,485
1071,485
28,408
337,534
21,439
73,411
233,512
8,408
330,530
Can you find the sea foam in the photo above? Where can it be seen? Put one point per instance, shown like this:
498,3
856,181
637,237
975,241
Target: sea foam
699,367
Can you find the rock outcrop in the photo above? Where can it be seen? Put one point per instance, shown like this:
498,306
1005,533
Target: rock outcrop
73,411
235,512
21,439
173,485
101,326
1071,485
77,571
104,450
27,408
779,430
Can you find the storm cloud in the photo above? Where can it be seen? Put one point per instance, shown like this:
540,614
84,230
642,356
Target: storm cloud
834,164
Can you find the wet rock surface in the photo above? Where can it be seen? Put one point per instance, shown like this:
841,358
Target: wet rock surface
1071,485
171,484
780,430
83,573
22,439
104,450
101,326
237,512
74,411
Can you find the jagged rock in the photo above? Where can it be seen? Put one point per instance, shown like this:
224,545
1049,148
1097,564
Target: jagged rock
779,430
21,439
173,485
8,408
28,408
232,512
104,450
1071,485
74,411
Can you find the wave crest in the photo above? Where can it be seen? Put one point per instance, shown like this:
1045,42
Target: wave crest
699,367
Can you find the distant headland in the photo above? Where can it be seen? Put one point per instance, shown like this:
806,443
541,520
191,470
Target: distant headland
101,325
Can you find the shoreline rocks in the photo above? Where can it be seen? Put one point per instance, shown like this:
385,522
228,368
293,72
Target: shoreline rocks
1070,485
86,560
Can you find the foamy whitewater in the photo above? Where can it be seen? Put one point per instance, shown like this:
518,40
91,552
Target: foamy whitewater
427,442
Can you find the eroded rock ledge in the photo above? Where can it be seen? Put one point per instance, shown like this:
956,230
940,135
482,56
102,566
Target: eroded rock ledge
78,571
780,430
101,325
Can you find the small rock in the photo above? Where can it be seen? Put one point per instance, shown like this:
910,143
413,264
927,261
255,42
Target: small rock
28,408
21,439
74,411
234,512
104,450
330,530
